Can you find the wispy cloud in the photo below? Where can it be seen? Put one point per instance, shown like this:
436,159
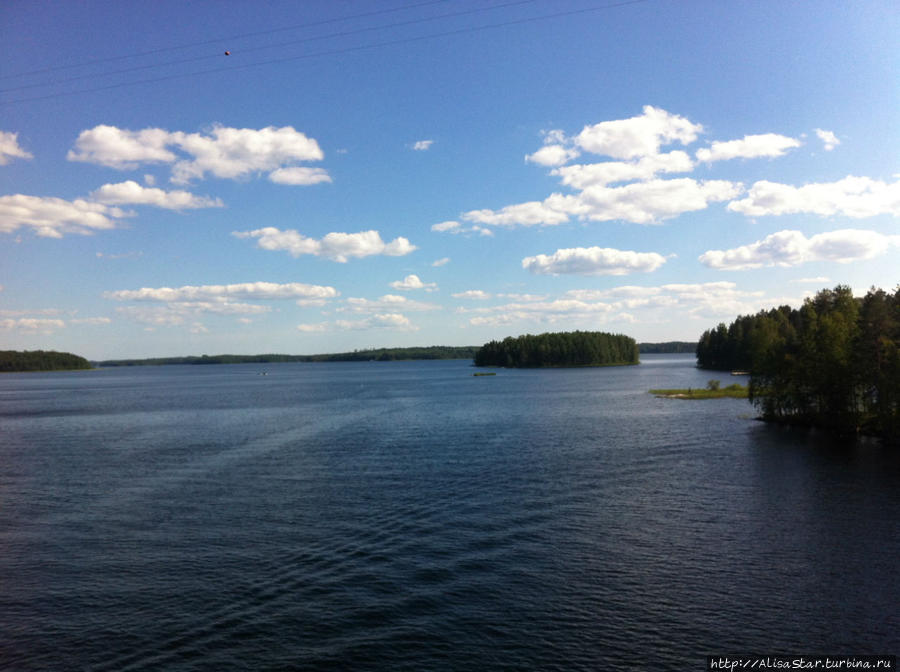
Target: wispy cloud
32,324
630,304
244,290
174,305
476,294
90,320
392,321
389,303
455,227
422,145
818,280
828,138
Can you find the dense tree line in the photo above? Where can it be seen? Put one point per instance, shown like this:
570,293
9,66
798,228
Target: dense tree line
40,360
378,354
835,362
669,347
574,348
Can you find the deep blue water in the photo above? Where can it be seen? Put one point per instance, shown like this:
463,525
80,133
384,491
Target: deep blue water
410,516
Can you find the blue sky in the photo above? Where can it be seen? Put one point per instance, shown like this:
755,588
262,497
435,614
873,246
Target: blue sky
370,174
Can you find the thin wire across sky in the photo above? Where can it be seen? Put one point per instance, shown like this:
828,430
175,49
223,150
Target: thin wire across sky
237,54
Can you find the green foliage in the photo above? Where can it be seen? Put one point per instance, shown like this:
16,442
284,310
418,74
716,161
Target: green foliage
380,354
833,363
574,348
713,385
40,360
669,347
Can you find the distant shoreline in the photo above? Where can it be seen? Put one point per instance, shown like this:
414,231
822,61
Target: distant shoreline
435,352
376,354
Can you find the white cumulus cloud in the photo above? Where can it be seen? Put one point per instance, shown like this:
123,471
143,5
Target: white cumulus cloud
553,155
121,148
236,152
422,145
593,261
766,145
10,149
132,193
335,246
52,217
413,282
638,136
652,201
300,175
222,152
792,248
855,197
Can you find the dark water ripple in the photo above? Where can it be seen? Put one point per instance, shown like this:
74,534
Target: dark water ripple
409,516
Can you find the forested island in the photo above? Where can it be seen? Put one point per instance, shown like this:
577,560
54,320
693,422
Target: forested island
376,354
573,348
40,360
833,363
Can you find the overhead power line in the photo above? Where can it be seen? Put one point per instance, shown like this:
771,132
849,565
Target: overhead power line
230,38
248,50
333,52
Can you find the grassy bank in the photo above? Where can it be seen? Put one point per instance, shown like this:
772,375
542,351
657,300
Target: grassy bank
712,391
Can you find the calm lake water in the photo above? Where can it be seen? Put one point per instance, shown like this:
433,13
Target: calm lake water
410,516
